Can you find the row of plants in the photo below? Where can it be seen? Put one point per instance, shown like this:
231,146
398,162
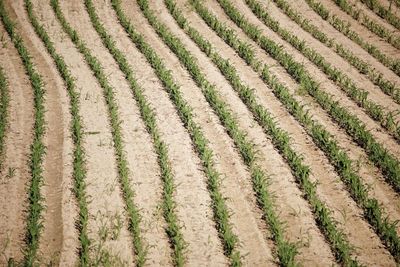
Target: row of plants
4,102
221,213
358,95
369,23
34,219
345,28
173,228
286,250
373,211
383,12
122,164
280,138
376,152
363,67
77,134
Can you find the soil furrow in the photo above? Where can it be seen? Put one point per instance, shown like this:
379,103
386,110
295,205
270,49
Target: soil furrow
373,17
327,85
389,142
393,249
244,219
357,154
193,201
341,39
15,175
268,156
365,33
376,77
106,210
77,186
383,12
36,206
146,133
370,174
140,152
361,81
56,141
329,189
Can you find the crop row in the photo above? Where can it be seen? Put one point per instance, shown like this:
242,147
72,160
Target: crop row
4,101
363,67
35,199
173,229
382,12
286,250
373,212
122,165
353,126
358,95
200,143
280,138
79,168
344,27
370,24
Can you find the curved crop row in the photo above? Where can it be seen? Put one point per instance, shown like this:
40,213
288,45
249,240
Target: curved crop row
200,143
358,95
382,12
280,139
373,212
388,164
370,24
38,149
363,67
79,171
173,229
122,165
344,27
4,101
286,250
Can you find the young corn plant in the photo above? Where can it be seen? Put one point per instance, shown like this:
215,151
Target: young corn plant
286,250
149,118
122,164
35,200
79,170
363,67
280,139
373,212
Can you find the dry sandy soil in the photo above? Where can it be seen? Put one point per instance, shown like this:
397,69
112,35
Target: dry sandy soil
109,226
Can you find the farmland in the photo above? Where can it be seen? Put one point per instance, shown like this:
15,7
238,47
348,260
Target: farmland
200,133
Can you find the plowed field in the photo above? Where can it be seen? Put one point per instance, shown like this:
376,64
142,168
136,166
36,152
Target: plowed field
199,133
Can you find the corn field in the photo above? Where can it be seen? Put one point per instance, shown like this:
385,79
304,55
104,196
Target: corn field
200,133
